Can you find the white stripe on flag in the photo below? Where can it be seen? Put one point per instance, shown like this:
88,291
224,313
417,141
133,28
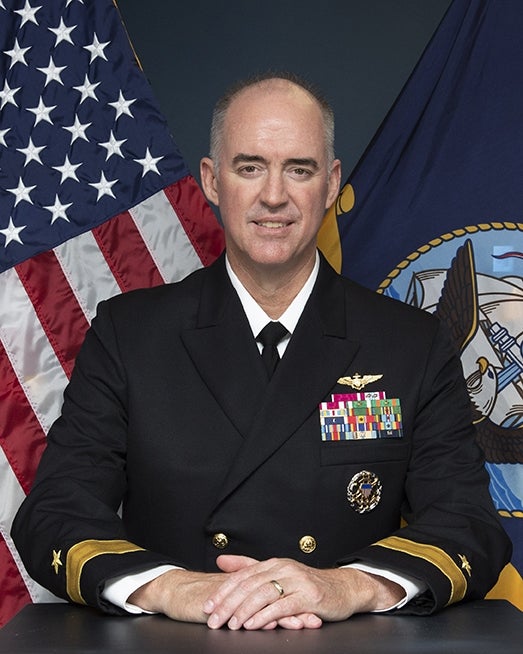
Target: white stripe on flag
32,357
87,272
165,237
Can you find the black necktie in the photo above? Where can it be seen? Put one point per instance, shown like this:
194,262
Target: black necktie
269,337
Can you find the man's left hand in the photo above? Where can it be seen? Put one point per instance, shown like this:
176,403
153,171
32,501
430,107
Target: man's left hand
249,598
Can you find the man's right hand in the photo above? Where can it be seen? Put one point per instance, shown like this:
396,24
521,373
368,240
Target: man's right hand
179,594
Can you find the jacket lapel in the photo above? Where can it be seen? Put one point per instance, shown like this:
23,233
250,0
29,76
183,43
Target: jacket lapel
224,351
317,355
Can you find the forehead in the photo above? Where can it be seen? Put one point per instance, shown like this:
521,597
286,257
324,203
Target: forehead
275,114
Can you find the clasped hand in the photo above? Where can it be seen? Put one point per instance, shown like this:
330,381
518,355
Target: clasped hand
249,598
244,594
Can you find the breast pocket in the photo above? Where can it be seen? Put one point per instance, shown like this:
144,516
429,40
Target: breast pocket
366,451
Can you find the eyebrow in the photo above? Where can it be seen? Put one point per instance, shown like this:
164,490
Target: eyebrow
293,161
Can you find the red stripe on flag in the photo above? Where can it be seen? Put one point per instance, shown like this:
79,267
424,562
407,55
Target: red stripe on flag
126,253
56,306
14,592
197,219
21,436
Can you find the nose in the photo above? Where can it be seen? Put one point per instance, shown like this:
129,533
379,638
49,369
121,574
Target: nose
274,190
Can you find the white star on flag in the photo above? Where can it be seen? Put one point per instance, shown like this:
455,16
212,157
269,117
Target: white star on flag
104,186
17,54
58,209
52,72
12,233
87,89
42,112
113,146
122,106
3,132
32,152
62,32
97,49
22,192
68,170
149,163
7,95
77,130
28,13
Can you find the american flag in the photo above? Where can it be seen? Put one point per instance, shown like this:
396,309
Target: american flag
95,199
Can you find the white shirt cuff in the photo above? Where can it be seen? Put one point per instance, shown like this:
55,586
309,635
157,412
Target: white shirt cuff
412,587
118,589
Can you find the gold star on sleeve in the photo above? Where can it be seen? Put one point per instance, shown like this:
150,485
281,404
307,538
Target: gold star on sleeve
465,565
56,560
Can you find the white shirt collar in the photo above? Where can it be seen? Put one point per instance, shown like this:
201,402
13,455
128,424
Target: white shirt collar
256,315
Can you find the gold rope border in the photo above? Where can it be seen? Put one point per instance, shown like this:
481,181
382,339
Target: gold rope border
449,236
505,513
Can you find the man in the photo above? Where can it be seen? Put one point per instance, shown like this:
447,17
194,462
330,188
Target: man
239,506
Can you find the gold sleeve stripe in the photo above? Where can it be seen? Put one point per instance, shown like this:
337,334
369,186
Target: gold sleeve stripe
434,555
83,552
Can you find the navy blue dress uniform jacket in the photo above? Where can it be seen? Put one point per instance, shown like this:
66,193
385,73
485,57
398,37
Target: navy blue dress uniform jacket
169,415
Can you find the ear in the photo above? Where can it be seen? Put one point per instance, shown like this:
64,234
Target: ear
334,183
208,178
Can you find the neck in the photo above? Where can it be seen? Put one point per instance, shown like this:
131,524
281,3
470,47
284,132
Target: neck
273,288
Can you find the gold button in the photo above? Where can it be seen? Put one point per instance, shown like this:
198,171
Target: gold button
220,541
307,544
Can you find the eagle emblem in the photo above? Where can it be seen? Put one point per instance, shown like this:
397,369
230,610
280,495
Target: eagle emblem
501,436
357,382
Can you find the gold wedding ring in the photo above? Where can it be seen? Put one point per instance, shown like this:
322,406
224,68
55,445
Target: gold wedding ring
278,587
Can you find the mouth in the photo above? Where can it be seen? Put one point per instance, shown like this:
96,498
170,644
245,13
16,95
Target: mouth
272,224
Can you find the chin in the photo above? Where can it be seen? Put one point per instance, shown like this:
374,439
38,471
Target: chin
273,260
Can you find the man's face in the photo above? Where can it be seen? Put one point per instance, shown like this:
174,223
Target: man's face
273,183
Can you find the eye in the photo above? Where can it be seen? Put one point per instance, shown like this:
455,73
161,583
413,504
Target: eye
300,173
248,170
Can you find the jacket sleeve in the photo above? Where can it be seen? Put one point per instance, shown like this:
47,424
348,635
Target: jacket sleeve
451,537
68,530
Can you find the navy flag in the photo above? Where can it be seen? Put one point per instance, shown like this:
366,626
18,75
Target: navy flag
433,215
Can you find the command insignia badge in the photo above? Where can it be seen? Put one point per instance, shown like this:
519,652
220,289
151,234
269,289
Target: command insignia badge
364,491
357,382
56,560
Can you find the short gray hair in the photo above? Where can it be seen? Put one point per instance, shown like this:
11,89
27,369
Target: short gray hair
223,104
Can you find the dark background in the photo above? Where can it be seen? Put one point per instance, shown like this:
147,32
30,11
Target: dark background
359,52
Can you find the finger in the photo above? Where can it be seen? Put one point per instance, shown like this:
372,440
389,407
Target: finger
233,562
240,569
246,591
284,610
280,611
245,575
291,622
243,601
302,621
310,620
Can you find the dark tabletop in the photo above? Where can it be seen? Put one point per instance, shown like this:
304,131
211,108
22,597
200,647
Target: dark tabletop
474,628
